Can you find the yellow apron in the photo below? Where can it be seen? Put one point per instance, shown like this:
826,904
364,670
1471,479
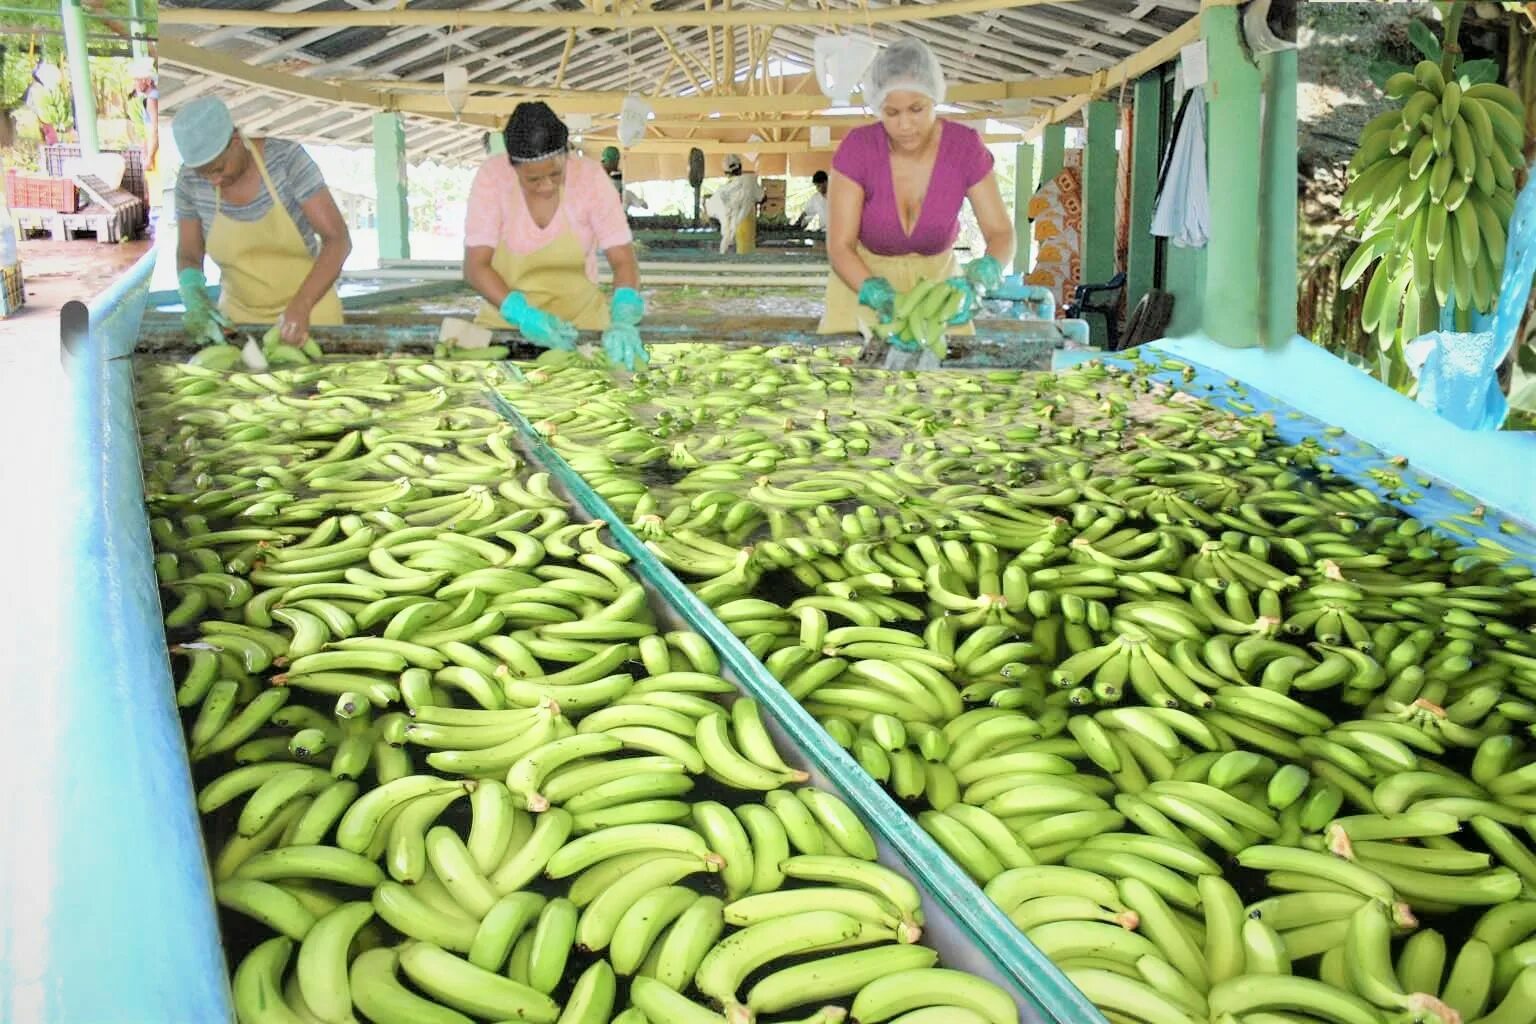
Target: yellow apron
554,279
844,315
263,262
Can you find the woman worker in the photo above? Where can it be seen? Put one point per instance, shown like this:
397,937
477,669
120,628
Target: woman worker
260,209
895,194
537,217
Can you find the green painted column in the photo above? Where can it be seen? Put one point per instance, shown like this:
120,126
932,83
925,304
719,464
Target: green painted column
138,27
1279,211
1053,151
389,181
1141,255
498,143
1100,161
80,76
1025,180
1232,302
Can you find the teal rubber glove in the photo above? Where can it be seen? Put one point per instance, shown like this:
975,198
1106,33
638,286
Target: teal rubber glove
200,320
969,305
985,274
622,345
540,328
627,308
878,295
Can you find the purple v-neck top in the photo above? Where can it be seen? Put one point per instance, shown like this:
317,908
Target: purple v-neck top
865,157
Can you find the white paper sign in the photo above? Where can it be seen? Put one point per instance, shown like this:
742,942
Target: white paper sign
1192,69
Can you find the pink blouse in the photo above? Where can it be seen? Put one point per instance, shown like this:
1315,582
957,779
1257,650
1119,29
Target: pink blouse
864,156
589,206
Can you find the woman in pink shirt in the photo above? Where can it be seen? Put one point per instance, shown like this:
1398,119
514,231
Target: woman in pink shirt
895,195
536,219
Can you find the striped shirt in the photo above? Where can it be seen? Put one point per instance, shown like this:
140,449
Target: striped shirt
294,175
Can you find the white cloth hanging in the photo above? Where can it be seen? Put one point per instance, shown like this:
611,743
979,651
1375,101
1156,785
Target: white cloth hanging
1183,210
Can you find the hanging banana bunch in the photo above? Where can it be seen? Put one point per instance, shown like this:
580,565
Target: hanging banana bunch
1432,188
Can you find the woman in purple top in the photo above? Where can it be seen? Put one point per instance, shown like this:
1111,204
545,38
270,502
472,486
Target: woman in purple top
895,195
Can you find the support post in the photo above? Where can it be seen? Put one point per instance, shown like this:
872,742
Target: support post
138,28
1026,179
1141,256
394,220
1053,151
498,143
1279,225
1100,161
1231,305
80,76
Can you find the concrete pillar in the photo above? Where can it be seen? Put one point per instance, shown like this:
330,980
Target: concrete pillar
1100,162
1053,151
1231,312
80,76
1279,185
1026,179
1141,256
390,183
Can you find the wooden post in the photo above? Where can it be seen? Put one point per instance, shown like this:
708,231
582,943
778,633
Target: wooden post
1145,157
1026,178
1231,308
389,182
1100,161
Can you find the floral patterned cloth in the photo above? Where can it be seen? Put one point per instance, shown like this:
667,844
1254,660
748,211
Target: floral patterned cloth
1056,209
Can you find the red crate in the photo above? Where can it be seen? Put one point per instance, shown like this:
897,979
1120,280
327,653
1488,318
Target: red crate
33,192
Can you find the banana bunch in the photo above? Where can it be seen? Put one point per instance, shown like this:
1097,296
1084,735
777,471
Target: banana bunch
454,753
1432,190
1080,647
922,315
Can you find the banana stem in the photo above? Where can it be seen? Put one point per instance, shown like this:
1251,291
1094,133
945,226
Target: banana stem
1450,50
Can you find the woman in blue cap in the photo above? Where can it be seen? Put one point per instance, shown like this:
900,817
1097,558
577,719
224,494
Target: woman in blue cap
261,210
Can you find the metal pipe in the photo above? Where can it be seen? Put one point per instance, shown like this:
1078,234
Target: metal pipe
80,76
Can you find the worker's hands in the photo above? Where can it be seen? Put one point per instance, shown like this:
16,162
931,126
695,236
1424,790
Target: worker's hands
293,328
985,274
878,295
969,304
628,308
622,345
201,320
542,329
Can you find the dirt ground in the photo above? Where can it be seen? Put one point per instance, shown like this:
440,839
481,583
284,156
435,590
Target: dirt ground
59,272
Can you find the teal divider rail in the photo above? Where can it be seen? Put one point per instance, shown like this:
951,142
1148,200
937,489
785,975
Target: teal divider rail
112,921
1417,442
1497,466
986,926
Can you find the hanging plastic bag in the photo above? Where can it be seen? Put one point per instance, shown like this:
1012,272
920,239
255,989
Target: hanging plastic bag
632,118
1458,370
840,65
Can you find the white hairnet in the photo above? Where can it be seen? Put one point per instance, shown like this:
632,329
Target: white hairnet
905,65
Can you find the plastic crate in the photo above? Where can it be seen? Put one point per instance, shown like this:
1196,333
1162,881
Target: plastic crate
133,168
12,295
34,192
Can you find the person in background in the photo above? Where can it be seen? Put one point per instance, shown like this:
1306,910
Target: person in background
46,78
895,195
734,201
146,90
815,211
261,210
537,217
610,160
